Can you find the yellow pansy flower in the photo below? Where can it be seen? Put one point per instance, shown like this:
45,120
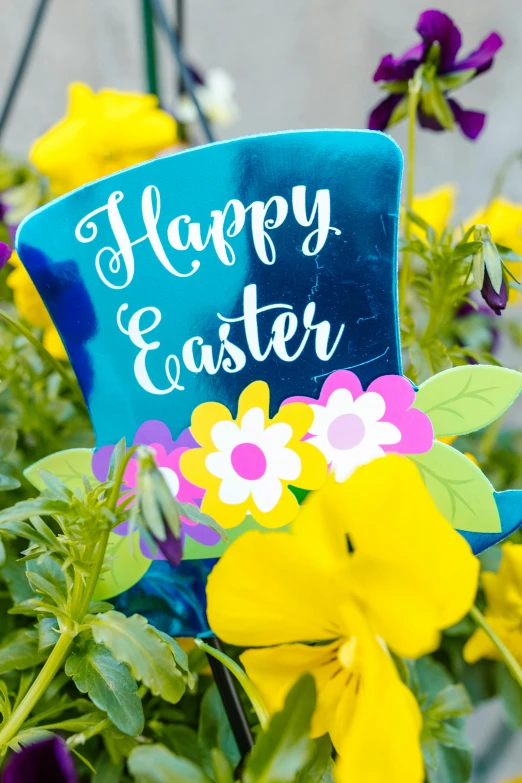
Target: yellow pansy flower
436,207
246,464
504,608
100,134
29,304
370,564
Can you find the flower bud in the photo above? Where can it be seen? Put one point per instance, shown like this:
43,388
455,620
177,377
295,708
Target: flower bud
497,301
158,508
487,260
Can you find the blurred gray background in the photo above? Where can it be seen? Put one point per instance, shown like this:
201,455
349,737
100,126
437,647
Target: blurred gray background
297,64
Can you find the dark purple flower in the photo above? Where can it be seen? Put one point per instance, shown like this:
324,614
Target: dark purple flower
497,302
167,451
5,254
41,762
442,72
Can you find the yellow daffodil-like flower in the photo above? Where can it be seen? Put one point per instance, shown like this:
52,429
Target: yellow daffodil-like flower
32,309
100,134
504,608
436,207
245,465
369,565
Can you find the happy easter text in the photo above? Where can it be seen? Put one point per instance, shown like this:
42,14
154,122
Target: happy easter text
115,267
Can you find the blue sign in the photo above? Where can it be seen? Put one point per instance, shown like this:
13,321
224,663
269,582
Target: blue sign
234,306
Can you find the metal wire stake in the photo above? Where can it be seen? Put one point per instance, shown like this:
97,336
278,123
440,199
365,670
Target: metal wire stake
23,60
229,696
188,81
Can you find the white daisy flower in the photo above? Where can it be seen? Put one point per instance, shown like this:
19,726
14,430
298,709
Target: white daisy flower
252,460
349,432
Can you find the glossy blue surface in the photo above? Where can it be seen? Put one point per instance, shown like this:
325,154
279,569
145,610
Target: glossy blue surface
97,273
352,280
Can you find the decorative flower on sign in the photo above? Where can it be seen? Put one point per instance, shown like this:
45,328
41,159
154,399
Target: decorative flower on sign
101,133
246,464
436,54
29,304
352,427
167,455
399,584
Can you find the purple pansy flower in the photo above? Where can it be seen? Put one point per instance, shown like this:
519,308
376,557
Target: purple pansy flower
442,72
41,762
5,254
495,301
167,454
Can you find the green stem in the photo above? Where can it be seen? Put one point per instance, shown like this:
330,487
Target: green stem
508,657
45,355
413,102
82,737
245,682
38,688
502,174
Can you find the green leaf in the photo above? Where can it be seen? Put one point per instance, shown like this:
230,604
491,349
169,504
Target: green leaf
8,438
68,466
399,113
134,642
109,684
193,513
511,695
284,748
19,650
48,633
156,764
221,768
320,765
452,765
452,702
451,81
107,770
460,490
29,737
214,730
428,359
45,576
467,398
32,508
8,483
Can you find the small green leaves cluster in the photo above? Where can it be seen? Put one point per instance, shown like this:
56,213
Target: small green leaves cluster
446,269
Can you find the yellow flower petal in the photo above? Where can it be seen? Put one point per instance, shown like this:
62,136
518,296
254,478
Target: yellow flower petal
435,207
504,218
225,514
298,415
377,729
256,395
274,670
101,134
413,573
282,514
203,419
53,343
267,589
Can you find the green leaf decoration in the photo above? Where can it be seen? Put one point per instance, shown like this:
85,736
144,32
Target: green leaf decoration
284,749
134,642
156,764
467,398
109,684
68,466
214,731
460,490
19,650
